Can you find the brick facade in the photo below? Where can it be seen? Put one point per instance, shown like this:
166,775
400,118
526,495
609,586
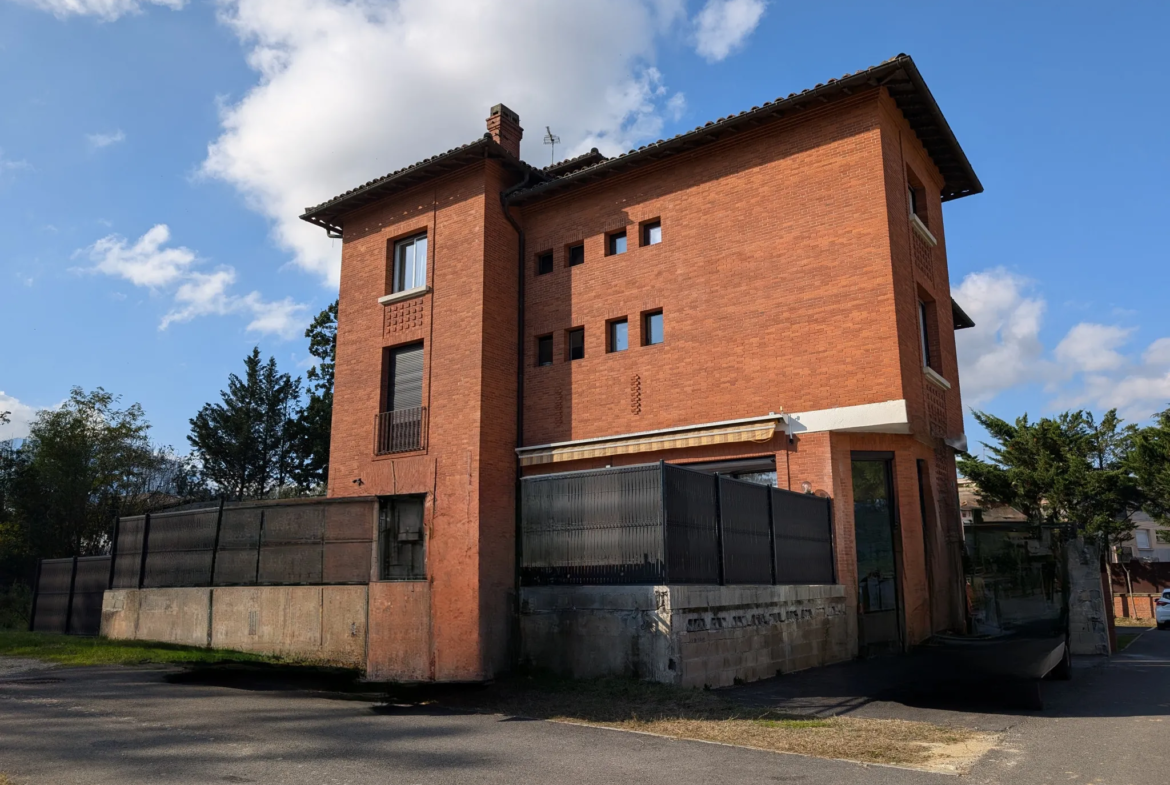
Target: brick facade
789,278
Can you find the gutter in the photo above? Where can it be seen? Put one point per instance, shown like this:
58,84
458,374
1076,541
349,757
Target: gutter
520,326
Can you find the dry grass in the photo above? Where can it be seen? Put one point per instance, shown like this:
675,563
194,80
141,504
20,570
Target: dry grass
1125,621
707,716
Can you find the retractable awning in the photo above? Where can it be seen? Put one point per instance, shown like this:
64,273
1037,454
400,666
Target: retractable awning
753,429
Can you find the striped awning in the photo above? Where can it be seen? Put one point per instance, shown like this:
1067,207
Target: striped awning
754,430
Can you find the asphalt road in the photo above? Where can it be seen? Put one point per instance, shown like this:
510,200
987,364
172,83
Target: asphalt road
129,725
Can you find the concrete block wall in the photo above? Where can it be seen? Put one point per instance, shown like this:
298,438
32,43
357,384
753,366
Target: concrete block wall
692,636
1088,625
324,624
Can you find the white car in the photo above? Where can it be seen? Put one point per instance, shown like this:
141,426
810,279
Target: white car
1162,610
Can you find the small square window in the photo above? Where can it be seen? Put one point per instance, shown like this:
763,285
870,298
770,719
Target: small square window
652,233
576,254
652,329
619,335
576,343
544,350
544,263
617,243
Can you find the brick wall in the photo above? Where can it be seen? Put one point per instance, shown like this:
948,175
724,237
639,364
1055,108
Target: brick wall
789,278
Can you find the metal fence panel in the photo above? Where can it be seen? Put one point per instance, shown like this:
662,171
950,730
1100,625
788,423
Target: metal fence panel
803,528
747,532
239,540
93,577
593,527
179,549
692,526
52,597
128,556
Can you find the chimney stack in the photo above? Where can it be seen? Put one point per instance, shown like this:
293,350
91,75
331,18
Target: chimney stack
504,126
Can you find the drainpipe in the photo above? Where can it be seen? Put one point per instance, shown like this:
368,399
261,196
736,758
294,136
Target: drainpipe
504,196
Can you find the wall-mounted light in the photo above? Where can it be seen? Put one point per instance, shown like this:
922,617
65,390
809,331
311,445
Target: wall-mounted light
806,487
358,482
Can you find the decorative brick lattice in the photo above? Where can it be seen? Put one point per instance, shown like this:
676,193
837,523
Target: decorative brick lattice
635,394
559,405
936,410
404,316
923,255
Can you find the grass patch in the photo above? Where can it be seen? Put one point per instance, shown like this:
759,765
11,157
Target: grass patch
74,650
708,716
1125,621
1126,638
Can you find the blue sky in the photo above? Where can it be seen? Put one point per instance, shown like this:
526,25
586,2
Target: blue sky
220,121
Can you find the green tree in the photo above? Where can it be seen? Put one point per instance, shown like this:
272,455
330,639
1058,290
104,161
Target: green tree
68,480
1149,460
1065,469
316,420
245,444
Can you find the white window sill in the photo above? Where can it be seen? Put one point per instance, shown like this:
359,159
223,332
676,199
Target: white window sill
935,377
407,294
920,228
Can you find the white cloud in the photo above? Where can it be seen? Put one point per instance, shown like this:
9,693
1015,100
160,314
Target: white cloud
1003,349
147,263
98,141
19,418
1088,368
1092,347
723,26
12,165
1157,355
107,10
348,91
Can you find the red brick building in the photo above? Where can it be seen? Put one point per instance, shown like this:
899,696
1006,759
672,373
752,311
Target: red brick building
766,295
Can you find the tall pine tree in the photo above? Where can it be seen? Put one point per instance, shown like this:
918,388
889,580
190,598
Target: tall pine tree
246,443
312,469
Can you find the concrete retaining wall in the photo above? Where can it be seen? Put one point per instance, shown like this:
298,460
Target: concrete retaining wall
320,623
688,635
1088,626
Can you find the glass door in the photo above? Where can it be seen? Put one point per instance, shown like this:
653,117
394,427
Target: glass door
874,525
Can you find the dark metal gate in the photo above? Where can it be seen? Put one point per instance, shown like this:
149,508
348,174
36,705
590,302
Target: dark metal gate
658,523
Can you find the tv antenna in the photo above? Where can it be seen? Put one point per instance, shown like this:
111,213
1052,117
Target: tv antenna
551,139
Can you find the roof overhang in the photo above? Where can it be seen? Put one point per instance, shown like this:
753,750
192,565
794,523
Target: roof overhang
330,214
961,319
898,75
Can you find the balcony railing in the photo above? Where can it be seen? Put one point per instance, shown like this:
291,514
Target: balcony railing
402,430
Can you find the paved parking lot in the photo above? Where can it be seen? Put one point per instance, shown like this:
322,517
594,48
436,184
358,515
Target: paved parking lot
129,725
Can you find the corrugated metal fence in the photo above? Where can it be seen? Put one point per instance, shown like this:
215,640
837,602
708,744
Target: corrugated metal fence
68,596
264,543
659,523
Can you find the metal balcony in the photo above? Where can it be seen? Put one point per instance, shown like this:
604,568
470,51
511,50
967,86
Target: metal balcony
402,430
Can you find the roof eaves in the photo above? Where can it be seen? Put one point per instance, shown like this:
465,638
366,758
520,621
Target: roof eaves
875,76
326,213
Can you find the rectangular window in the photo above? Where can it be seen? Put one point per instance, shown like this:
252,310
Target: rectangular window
576,254
652,329
544,350
544,263
403,378
402,538
617,243
924,334
652,233
410,264
1143,539
576,343
619,335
